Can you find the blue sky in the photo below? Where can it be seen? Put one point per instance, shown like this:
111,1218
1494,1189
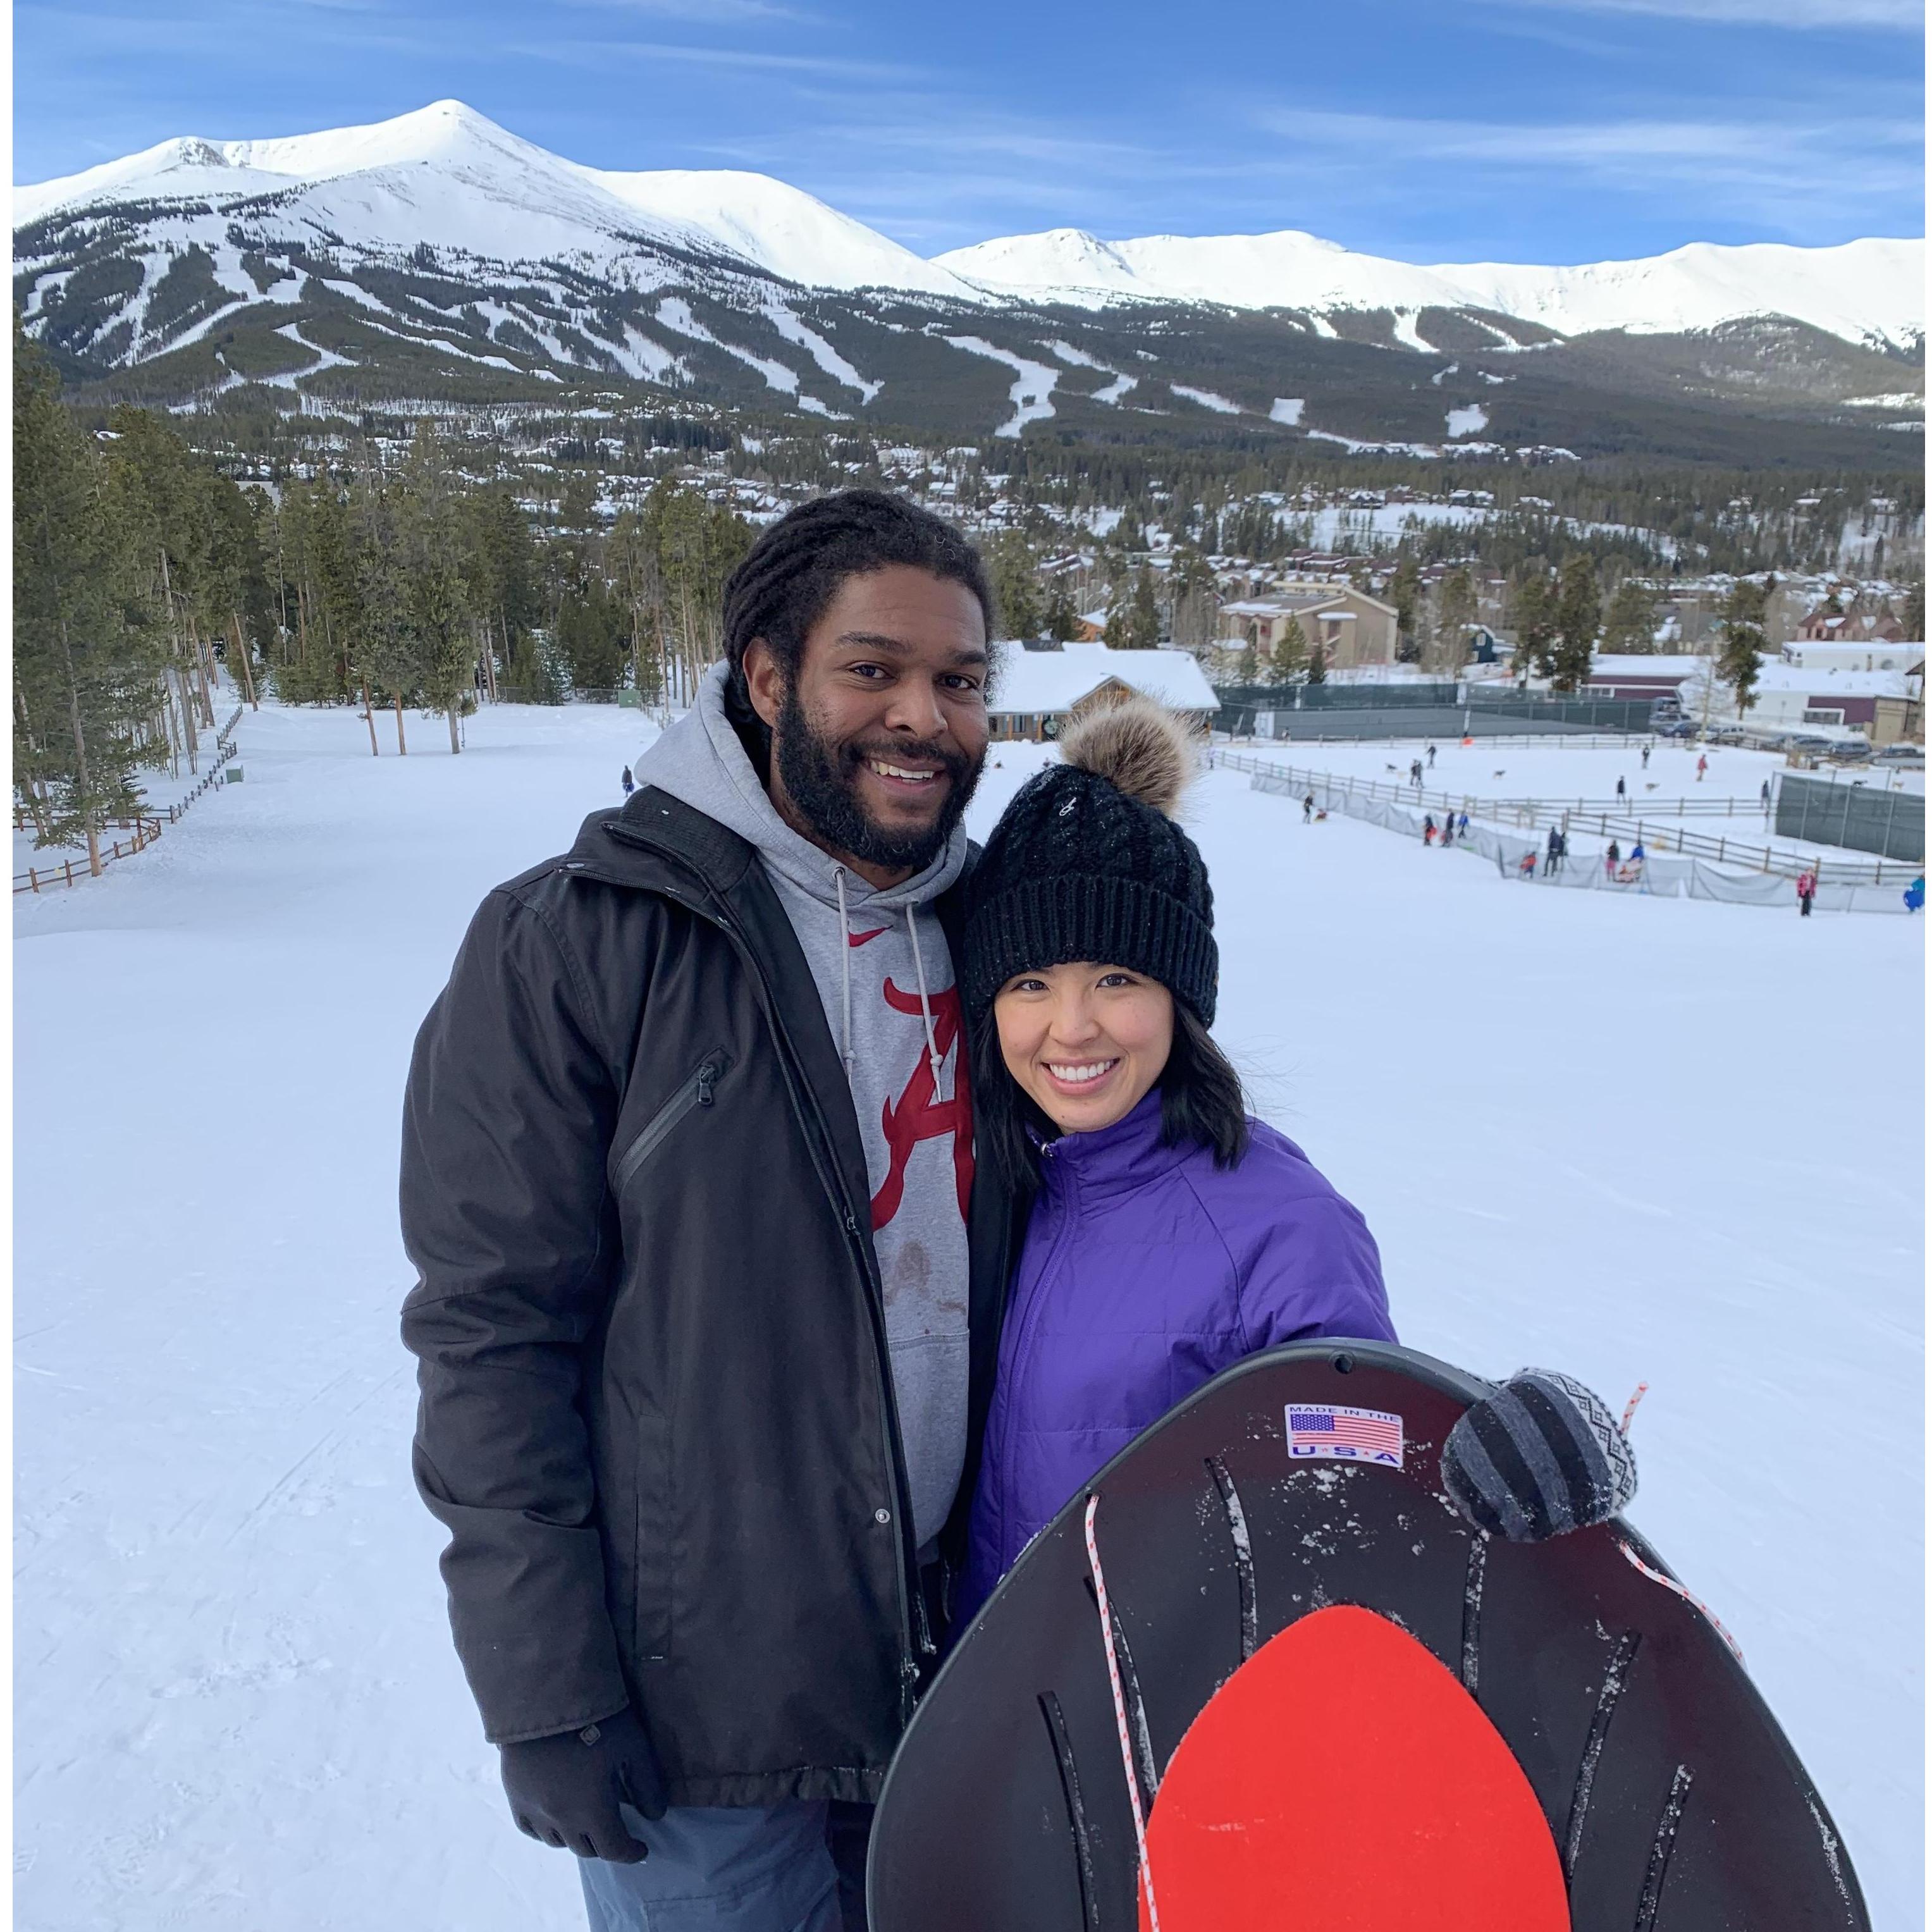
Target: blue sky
1548,130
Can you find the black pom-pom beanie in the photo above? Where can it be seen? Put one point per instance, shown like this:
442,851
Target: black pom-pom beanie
1085,863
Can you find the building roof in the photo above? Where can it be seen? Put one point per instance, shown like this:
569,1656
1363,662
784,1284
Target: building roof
1056,681
1825,684
1872,654
1279,607
1300,598
1606,666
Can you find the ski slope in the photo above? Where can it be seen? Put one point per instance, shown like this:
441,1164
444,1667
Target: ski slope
448,176
1860,290
1630,1139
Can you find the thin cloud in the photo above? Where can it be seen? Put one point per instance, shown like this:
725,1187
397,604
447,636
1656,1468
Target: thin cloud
1787,175
1905,16
712,13
1685,141
593,53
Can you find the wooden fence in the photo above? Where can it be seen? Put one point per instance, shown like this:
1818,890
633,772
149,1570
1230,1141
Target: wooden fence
146,828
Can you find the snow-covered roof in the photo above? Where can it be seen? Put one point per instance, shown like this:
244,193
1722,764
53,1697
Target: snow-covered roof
1639,665
1819,682
1056,681
1873,655
1276,606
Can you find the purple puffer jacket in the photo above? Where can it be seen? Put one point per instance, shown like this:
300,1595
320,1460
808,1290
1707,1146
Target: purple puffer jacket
1146,1270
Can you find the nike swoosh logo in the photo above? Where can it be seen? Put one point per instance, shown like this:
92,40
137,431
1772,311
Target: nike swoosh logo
859,938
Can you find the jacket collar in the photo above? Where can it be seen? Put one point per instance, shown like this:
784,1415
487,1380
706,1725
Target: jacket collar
1115,1159
656,842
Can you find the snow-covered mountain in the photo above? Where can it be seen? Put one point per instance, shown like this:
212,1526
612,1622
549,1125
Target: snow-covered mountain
438,255
781,229
1865,291
448,177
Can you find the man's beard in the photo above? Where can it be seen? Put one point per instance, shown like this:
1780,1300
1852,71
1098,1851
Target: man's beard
822,781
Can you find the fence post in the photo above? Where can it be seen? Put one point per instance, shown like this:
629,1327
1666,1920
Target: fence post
33,878
66,866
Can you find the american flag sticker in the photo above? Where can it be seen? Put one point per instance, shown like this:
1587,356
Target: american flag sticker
1318,1432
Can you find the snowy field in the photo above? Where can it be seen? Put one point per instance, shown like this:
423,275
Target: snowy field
1656,1139
159,790
1555,771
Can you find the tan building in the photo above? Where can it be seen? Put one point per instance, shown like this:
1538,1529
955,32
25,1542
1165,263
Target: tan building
1352,628
1897,720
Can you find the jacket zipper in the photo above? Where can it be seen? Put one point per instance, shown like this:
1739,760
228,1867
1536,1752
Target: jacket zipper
1031,1315
696,1092
806,1101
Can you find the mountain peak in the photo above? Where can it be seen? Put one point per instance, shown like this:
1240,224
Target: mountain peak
447,175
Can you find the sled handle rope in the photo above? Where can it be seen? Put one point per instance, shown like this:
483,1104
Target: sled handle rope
1630,1408
1670,1583
1676,1588
1120,1709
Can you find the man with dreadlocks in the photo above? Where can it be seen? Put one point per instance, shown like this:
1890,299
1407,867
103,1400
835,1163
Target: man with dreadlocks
708,1287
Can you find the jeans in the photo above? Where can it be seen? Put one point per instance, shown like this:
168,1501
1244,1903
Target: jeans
797,1868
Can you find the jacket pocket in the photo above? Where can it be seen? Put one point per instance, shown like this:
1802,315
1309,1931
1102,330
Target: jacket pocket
697,1091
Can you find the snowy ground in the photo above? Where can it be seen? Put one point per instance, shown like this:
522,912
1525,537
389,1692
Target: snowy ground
1554,771
158,790
1587,776
1610,1136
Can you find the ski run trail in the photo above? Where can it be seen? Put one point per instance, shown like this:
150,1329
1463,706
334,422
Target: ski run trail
1635,1139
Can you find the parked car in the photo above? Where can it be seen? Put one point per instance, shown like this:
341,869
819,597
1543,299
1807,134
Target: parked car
1851,752
1899,755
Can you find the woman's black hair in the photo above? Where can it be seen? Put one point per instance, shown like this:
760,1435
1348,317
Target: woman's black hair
793,572
1202,1102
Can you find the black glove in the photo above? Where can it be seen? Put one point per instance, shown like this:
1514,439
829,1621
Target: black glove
1537,1456
565,1789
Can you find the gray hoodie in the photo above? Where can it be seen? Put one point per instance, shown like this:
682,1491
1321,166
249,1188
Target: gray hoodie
884,973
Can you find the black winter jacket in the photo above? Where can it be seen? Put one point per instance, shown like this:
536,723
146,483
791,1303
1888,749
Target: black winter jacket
656,1413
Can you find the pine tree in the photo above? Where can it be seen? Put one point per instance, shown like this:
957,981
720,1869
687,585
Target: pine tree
1576,615
1193,602
429,534
1133,621
1317,664
1535,618
1742,638
1405,593
164,508
1292,656
504,595
1455,612
1629,623
1062,621
383,645
84,665
1011,570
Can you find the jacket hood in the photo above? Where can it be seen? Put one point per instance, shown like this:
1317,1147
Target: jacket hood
701,761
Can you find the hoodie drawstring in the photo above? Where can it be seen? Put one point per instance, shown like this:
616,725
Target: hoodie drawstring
845,974
925,1004
845,984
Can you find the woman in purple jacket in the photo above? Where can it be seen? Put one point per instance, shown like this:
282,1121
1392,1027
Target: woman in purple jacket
1171,1233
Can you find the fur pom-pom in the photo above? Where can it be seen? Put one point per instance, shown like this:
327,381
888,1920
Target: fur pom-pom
1139,747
